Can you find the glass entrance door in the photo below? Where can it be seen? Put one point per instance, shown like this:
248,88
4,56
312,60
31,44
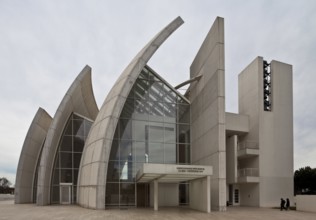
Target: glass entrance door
65,193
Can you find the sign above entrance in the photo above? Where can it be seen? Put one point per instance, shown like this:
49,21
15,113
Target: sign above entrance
170,173
190,169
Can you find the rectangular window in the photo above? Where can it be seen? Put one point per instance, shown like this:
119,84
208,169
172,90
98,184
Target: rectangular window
170,133
66,144
112,194
127,194
66,176
65,160
113,174
155,152
155,133
170,153
140,151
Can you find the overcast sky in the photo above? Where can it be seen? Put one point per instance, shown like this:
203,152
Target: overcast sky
45,44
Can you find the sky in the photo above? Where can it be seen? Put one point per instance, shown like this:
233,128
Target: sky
44,45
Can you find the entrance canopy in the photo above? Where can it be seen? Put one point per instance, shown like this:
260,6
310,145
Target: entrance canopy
199,177
171,173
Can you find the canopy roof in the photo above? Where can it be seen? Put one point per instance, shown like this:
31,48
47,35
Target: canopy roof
171,173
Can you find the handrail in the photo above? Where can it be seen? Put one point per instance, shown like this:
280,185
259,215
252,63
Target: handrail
248,172
248,145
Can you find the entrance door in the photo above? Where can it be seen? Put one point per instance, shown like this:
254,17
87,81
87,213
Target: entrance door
183,194
65,193
230,195
142,195
236,197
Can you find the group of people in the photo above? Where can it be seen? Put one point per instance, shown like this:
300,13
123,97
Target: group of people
285,204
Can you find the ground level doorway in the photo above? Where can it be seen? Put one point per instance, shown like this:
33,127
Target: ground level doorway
143,191
174,185
65,193
233,195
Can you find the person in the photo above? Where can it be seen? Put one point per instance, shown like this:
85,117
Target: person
282,204
287,205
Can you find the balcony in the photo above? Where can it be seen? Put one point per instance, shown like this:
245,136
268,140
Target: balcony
248,175
248,149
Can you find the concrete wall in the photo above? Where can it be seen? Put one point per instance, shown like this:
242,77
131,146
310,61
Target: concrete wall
236,124
168,194
249,194
276,139
248,97
208,111
80,99
306,203
272,130
30,157
198,195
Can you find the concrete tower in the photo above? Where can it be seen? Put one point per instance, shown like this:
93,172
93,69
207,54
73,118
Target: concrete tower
265,95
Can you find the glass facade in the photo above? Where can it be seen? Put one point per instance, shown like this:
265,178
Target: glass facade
154,127
68,156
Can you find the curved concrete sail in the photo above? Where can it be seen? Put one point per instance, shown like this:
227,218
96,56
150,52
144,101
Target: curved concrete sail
80,99
94,162
209,118
30,156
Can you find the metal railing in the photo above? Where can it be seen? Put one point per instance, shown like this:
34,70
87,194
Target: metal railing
248,172
248,145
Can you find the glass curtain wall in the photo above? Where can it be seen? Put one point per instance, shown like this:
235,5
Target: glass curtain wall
154,127
68,156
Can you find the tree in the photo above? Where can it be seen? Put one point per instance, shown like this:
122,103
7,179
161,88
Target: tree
4,185
305,180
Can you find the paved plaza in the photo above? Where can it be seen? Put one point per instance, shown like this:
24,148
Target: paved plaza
32,212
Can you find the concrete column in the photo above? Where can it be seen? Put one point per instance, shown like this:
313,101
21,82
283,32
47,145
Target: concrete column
208,193
156,195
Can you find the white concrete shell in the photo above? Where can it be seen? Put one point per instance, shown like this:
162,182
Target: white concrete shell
80,99
29,157
207,98
94,161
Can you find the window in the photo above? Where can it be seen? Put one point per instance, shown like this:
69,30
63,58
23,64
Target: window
154,127
68,156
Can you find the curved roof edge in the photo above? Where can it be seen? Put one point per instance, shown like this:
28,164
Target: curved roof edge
80,99
29,157
93,167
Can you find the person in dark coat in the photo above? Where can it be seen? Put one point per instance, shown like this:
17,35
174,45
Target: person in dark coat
287,205
282,205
